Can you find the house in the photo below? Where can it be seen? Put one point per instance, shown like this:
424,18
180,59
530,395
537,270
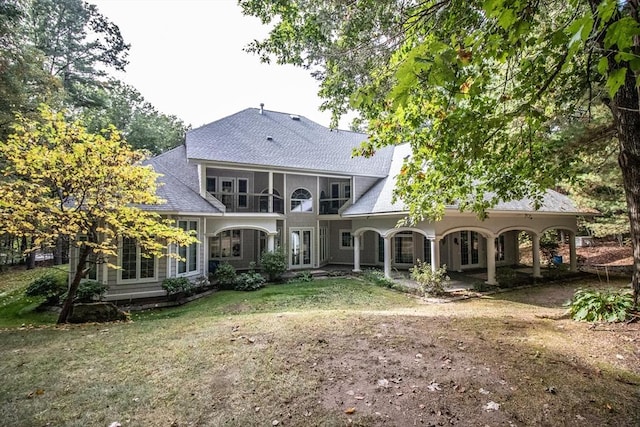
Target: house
258,180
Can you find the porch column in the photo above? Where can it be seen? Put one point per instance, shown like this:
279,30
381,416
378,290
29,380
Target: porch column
271,242
491,260
270,197
435,253
535,251
573,258
387,257
356,254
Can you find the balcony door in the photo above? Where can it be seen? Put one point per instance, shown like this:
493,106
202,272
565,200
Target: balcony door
301,247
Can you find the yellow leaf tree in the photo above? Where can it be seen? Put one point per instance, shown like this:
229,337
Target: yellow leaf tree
61,181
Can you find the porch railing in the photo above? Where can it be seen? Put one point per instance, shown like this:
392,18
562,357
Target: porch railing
247,202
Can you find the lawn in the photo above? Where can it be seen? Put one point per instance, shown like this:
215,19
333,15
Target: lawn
328,352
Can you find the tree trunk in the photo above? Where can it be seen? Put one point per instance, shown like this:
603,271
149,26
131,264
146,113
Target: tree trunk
83,255
625,107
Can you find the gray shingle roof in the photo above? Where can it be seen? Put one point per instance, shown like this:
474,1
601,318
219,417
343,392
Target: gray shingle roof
178,185
378,199
281,140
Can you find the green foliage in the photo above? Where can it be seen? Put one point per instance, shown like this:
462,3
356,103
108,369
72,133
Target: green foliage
225,275
177,286
250,281
274,264
506,277
49,285
430,282
201,283
378,278
600,306
53,165
304,277
88,291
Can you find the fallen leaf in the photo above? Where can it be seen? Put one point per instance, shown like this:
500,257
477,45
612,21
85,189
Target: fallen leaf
434,387
350,411
491,406
383,382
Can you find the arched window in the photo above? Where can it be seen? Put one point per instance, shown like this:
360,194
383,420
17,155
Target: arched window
301,201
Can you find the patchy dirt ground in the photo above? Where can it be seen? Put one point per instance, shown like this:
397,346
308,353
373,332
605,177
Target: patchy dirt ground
500,361
505,360
609,253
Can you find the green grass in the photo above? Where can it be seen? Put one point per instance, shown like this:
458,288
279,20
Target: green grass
15,308
301,353
323,294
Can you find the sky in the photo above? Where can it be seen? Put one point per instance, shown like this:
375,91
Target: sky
186,58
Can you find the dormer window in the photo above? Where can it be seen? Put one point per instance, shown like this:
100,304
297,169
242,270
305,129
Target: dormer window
301,201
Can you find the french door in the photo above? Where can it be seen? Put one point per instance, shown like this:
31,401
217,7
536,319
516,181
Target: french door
469,249
301,247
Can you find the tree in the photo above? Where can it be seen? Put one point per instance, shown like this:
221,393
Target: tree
140,123
494,96
23,82
61,181
78,43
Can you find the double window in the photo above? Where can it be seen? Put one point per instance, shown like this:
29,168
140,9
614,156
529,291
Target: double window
301,201
135,262
189,254
226,245
232,192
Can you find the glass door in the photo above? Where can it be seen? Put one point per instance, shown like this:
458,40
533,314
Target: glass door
469,249
301,247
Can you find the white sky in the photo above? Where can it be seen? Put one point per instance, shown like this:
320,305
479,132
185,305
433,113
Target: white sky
186,59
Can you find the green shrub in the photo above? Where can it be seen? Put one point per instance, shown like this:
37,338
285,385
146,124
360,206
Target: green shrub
377,277
304,277
506,277
600,306
49,285
250,281
430,282
226,276
177,285
90,290
201,283
274,264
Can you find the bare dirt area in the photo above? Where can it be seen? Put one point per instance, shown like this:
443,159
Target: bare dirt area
598,254
501,361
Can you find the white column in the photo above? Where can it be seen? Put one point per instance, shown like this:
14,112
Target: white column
573,258
356,254
435,253
491,260
271,242
535,250
270,198
387,257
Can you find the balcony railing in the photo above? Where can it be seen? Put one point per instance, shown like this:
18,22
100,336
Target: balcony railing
247,202
332,206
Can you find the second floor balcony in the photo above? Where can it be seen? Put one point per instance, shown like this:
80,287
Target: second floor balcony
247,202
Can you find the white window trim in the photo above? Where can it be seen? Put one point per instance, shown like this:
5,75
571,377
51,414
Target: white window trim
291,199
121,281
350,247
197,271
